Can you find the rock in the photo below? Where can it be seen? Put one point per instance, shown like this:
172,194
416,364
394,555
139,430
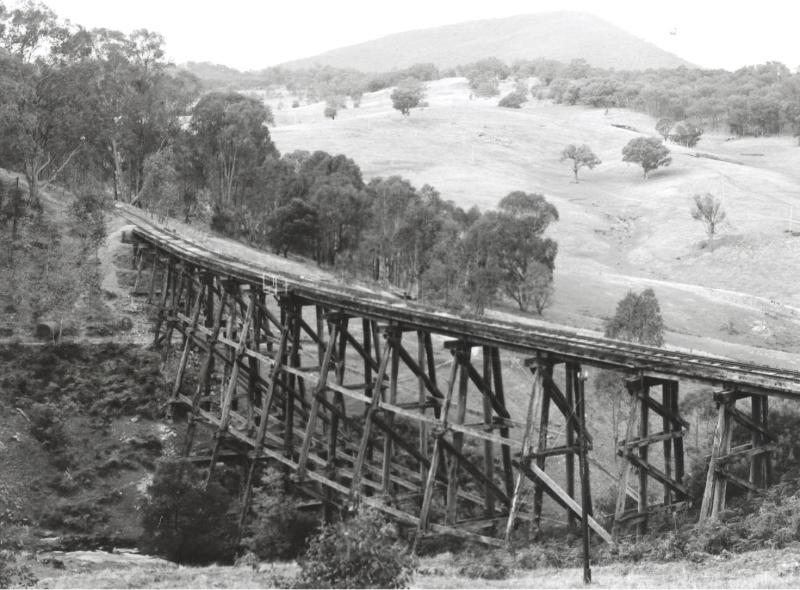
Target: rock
46,331
125,324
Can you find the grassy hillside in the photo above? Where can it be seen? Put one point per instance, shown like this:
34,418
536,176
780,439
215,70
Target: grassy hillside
558,35
617,231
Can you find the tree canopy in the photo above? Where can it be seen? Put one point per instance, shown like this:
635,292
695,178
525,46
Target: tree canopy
637,319
708,210
408,94
508,250
581,156
649,152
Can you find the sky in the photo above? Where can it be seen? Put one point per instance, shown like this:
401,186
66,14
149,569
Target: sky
250,34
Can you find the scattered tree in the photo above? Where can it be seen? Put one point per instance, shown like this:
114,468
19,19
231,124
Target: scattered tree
708,210
637,319
664,126
649,152
184,521
330,111
582,156
408,94
515,99
686,134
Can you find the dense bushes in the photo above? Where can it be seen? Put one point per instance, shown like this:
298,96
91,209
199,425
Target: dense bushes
513,100
184,521
107,379
278,530
357,553
13,575
47,426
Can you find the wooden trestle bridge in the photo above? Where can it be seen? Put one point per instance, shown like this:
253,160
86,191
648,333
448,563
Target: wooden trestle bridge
344,387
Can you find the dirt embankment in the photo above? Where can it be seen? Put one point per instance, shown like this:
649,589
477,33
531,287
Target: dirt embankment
79,431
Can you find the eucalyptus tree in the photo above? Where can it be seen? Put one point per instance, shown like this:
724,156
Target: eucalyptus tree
231,139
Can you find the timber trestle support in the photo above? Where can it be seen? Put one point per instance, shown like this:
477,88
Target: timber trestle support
472,428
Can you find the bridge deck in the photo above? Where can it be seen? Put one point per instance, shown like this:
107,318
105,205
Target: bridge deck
561,343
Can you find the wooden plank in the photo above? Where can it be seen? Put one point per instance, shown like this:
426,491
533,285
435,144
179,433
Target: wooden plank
505,450
530,417
720,446
488,449
563,405
644,426
583,464
555,451
266,405
747,451
653,510
185,354
728,476
203,378
479,475
558,494
570,379
462,357
227,401
388,450
678,442
364,444
435,455
745,420
419,373
650,439
541,444
662,411
647,469
623,482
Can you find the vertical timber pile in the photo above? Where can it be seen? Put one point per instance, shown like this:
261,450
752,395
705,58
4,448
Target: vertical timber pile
756,451
634,449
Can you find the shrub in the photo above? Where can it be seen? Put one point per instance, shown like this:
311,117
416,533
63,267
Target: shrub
357,553
47,426
493,565
185,522
513,100
541,555
77,517
279,530
13,575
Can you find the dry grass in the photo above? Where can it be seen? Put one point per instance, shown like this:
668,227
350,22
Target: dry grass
757,569
617,231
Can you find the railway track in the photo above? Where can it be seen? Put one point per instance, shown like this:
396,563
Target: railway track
557,342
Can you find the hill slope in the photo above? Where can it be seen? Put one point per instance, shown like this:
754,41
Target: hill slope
617,231
562,36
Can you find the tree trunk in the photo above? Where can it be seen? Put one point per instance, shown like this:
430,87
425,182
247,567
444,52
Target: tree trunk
117,168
